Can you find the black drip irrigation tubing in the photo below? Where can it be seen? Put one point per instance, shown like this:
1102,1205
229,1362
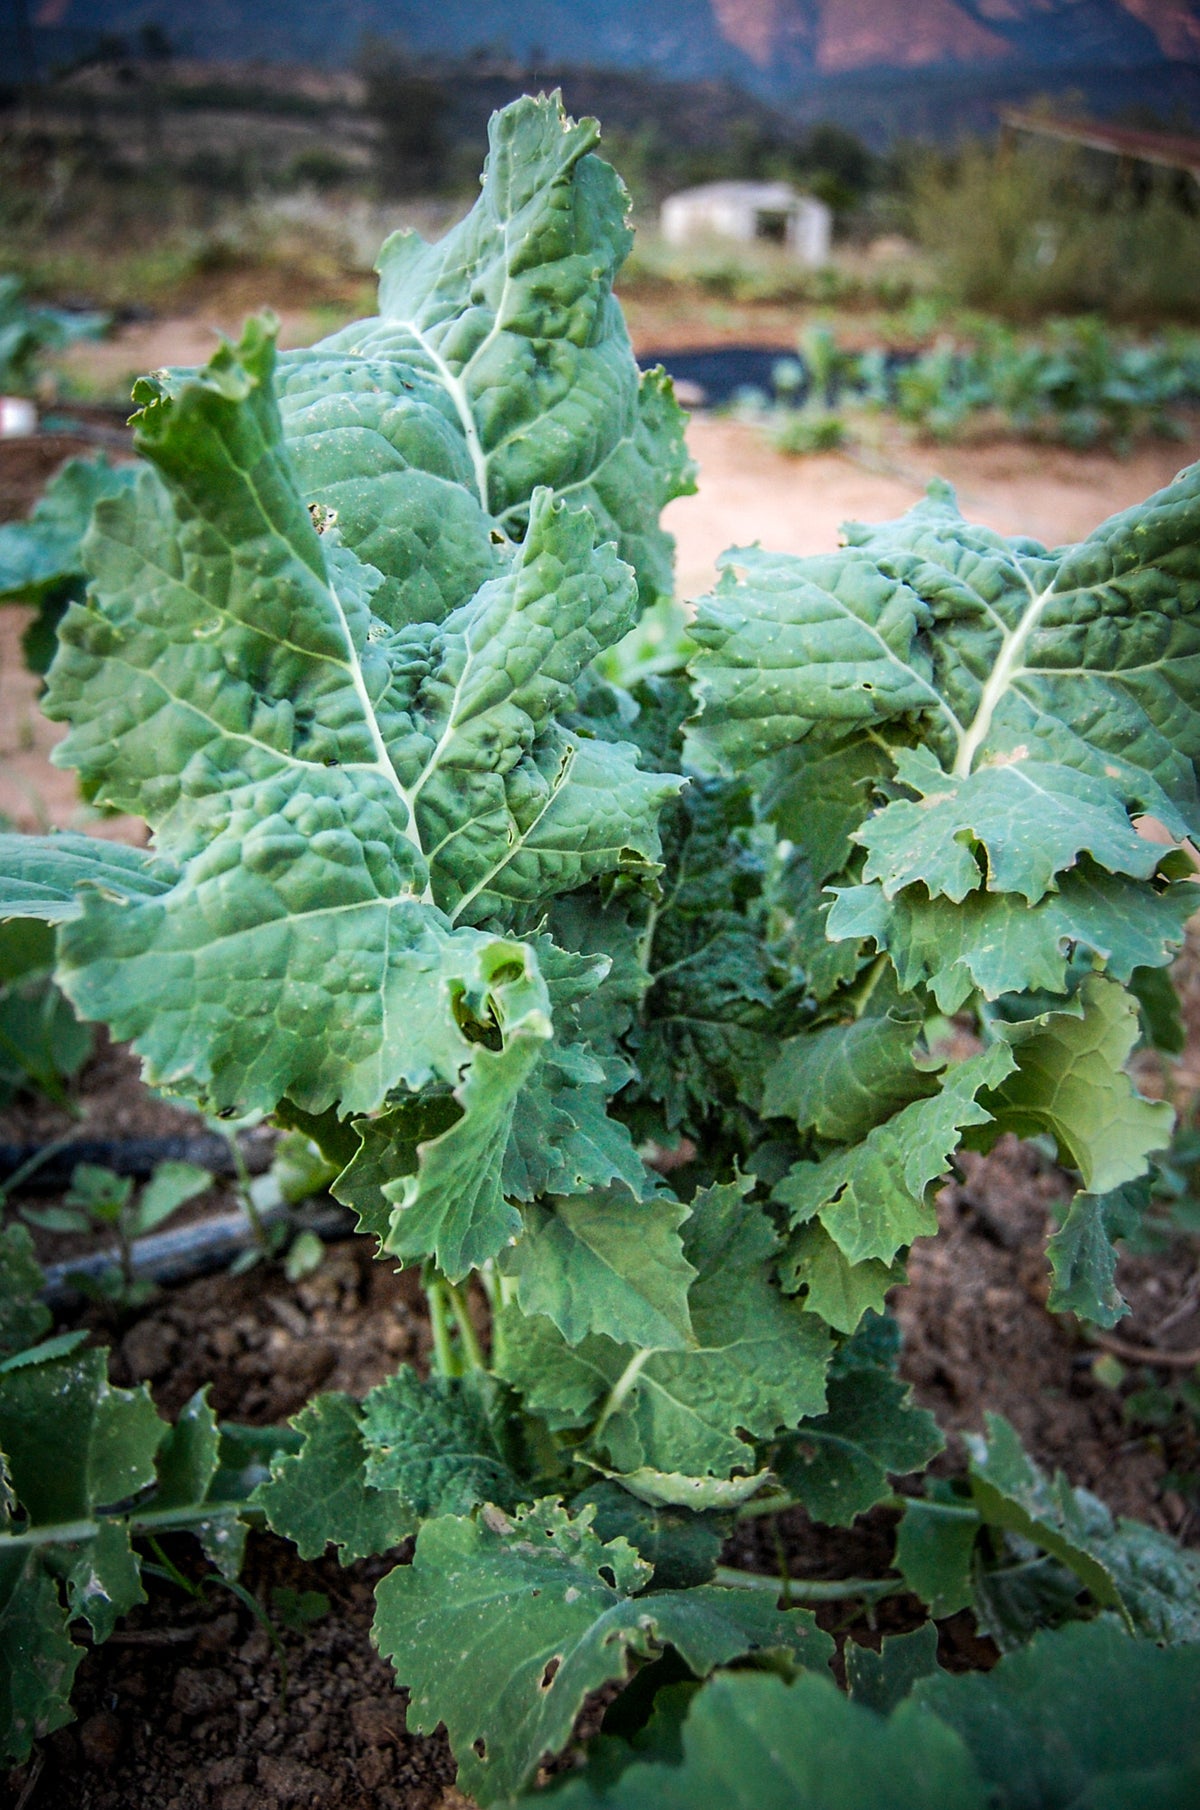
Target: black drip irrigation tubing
179,1255
195,1250
719,372
47,1168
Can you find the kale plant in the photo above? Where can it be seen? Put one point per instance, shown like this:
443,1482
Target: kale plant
622,1008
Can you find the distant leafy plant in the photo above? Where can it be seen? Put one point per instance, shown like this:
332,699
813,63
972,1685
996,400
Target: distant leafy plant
493,928
42,1043
1081,385
41,558
28,332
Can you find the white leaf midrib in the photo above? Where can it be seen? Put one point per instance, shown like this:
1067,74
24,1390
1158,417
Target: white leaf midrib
1006,669
455,386
382,764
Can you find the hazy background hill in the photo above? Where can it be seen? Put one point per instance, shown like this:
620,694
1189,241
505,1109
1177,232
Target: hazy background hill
885,66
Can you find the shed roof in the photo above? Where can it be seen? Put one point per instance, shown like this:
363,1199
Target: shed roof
1173,150
749,194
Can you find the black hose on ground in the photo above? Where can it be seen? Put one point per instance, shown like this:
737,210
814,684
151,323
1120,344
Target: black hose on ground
138,1157
197,1249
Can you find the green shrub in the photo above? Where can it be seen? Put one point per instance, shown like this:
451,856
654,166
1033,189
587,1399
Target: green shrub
1034,228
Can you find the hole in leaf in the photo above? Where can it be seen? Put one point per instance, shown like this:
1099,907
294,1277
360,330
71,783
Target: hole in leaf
552,1666
479,1747
475,1028
609,1576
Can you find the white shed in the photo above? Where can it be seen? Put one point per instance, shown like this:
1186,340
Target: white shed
774,212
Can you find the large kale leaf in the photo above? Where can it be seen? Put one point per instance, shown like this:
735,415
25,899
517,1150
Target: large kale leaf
329,653
1052,695
498,362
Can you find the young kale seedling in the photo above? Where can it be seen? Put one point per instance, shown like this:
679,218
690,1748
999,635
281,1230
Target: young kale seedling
99,1200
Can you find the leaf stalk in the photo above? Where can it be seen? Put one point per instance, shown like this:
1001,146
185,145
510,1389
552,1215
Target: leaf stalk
812,1590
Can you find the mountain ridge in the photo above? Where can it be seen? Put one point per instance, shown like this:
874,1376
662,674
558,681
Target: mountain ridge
791,53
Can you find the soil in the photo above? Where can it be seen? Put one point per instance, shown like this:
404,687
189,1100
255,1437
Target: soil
182,1709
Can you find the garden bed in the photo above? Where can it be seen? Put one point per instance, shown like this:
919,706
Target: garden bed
182,1709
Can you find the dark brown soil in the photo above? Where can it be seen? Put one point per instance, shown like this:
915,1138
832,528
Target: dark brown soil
106,1099
183,1708
266,1344
977,1336
28,462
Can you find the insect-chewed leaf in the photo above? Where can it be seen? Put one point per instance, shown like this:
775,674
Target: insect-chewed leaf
1087,653
832,1287
998,944
341,797
320,1496
1030,818
498,362
673,1421
682,1547
499,1628
438,1172
452,1204
104,1582
1051,697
